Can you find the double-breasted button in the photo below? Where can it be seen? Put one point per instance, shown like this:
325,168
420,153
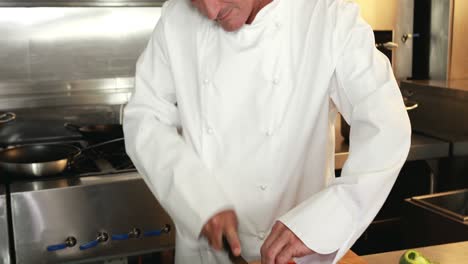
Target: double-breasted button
276,80
209,130
277,25
261,235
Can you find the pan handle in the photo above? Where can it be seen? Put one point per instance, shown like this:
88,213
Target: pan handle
72,127
7,117
101,144
75,155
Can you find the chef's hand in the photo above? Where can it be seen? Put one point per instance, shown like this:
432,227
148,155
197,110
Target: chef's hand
223,223
282,245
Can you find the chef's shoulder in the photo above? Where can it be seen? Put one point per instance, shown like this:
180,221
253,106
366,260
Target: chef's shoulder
347,15
180,16
335,13
337,19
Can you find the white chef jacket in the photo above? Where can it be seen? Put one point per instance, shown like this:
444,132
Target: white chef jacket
257,109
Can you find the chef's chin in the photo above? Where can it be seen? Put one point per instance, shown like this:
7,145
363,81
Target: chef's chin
230,25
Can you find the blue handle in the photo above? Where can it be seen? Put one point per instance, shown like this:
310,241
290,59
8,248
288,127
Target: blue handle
416,35
56,247
89,245
153,233
120,237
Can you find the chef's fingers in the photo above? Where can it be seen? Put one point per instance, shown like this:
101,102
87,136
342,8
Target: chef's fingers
215,227
217,234
233,239
281,241
213,233
286,255
275,232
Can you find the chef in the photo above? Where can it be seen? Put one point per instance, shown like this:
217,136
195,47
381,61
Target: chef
231,125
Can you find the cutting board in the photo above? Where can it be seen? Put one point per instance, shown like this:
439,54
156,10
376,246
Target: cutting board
352,258
453,253
349,258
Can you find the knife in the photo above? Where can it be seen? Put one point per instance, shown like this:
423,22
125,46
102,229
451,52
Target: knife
235,259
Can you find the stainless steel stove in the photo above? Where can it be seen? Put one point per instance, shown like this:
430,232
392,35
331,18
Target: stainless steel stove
98,209
4,243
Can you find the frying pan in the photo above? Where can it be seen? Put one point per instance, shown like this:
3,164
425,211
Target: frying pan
39,160
98,133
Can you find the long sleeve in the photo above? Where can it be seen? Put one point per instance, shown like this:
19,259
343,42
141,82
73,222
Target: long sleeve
172,169
366,93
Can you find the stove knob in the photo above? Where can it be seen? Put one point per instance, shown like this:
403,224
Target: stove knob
102,237
120,236
166,229
69,242
134,233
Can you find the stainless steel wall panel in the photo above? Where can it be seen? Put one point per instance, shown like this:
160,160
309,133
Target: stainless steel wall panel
91,3
49,54
33,94
72,43
46,214
4,243
404,53
14,54
438,54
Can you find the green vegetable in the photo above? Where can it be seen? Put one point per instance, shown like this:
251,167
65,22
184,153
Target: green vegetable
413,257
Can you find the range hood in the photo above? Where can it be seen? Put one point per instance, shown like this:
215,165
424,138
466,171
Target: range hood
81,3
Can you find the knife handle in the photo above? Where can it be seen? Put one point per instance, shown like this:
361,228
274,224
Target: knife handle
227,247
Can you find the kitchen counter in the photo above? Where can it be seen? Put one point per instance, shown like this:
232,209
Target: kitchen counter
349,258
442,110
461,85
444,254
422,148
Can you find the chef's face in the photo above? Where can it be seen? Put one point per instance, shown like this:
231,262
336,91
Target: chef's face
230,14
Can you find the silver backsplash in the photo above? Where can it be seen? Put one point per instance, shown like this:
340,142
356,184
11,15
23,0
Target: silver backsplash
52,44
90,3
58,58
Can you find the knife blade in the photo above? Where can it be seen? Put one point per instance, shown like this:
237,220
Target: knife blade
235,259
